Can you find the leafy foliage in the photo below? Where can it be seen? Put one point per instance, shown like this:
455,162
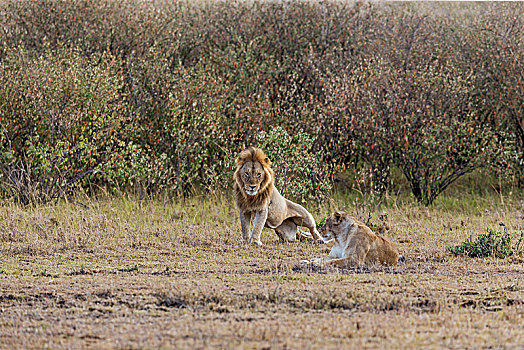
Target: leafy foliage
496,53
492,243
162,96
300,174
60,117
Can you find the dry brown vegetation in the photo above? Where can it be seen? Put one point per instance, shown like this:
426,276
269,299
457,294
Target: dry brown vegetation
125,273
162,95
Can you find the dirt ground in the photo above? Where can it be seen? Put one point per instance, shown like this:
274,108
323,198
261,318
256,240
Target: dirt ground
127,274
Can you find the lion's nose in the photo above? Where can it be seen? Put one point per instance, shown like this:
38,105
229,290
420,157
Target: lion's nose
252,186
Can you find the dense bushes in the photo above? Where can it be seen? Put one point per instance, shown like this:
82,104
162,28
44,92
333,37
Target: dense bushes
61,114
496,53
301,173
161,96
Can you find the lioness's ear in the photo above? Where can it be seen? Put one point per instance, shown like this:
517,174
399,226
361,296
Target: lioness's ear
338,217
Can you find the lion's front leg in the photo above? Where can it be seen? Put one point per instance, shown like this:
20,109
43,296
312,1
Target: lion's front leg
260,221
245,222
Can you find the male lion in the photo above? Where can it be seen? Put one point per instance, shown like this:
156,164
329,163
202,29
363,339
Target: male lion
355,244
257,198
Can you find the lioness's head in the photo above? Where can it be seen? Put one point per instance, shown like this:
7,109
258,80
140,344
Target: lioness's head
337,225
254,173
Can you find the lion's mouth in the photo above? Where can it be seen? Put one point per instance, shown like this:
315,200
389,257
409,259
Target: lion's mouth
251,192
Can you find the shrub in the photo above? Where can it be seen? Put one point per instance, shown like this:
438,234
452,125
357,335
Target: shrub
43,173
300,174
123,28
413,110
162,96
496,55
181,126
60,116
492,243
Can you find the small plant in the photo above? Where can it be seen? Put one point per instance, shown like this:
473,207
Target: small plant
322,222
498,244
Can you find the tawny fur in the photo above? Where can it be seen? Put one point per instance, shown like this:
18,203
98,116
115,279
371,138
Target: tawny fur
355,244
257,198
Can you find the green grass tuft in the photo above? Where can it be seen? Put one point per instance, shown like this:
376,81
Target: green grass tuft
499,244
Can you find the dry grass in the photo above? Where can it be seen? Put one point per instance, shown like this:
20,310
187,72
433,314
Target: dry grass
130,274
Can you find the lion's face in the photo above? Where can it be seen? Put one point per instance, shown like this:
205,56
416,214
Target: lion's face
337,225
252,175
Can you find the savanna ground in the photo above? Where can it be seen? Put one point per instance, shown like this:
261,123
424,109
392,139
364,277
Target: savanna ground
125,273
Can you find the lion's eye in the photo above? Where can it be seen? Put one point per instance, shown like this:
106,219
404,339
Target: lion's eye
258,175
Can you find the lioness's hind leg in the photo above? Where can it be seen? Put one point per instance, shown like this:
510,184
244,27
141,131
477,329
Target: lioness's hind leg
341,263
357,255
355,259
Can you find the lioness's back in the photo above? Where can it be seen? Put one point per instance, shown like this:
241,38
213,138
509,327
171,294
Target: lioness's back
385,252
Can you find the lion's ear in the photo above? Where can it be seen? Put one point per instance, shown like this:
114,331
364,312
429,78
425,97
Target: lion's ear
266,160
242,157
239,162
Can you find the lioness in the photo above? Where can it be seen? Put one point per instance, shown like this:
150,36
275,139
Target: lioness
257,198
355,244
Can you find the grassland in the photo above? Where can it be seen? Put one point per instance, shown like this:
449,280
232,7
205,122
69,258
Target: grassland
125,273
